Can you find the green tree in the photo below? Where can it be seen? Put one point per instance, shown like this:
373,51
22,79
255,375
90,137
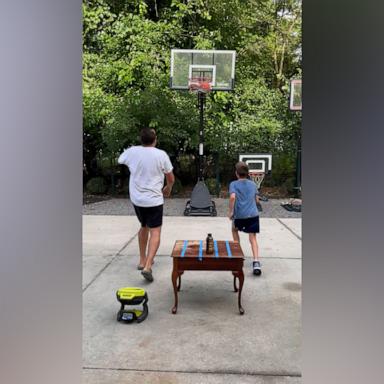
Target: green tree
126,68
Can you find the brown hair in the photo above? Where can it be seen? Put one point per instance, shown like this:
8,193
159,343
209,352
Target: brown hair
242,169
147,136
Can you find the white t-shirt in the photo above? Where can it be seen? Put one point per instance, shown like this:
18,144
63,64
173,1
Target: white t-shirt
147,166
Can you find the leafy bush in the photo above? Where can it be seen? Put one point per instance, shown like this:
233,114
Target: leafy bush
96,186
213,188
177,187
123,187
289,185
185,169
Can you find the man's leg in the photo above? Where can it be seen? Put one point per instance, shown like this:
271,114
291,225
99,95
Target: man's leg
143,241
153,246
254,246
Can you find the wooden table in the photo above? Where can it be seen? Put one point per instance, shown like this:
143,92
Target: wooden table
190,255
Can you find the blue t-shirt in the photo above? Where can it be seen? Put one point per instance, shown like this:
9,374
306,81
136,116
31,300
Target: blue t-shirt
245,203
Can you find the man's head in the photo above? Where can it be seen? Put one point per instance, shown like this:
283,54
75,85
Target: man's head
148,137
241,170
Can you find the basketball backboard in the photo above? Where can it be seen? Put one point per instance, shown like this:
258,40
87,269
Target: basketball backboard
295,103
257,162
189,66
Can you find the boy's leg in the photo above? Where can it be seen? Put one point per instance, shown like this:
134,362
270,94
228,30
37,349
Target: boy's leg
254,246
256,266
143,242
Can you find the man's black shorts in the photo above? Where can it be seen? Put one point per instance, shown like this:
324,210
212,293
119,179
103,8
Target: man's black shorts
249,225
151,217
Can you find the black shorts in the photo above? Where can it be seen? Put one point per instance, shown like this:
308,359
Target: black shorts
151,217
249,225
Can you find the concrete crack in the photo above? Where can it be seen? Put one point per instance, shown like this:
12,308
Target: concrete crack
221,372
289,229
110,262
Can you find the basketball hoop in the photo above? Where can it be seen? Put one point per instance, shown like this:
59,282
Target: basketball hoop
200,84
257,177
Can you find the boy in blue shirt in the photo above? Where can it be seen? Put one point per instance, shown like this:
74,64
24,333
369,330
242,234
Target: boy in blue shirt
243,211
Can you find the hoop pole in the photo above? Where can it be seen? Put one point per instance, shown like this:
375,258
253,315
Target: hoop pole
201,101
298,165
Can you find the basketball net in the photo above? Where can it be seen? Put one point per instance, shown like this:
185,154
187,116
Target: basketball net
200,84
257,178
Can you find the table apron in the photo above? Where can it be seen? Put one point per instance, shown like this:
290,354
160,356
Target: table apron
208,265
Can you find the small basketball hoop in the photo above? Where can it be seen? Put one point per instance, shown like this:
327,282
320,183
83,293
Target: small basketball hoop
200,84
257,177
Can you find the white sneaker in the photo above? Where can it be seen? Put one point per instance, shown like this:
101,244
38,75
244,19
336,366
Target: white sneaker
256,268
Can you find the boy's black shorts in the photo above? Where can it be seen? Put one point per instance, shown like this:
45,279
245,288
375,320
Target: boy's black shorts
151,217
249,225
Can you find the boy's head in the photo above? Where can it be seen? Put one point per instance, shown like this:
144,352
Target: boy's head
241,170
148,137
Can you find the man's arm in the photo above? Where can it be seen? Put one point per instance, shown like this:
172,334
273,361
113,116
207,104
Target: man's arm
170,178
123,158
232,199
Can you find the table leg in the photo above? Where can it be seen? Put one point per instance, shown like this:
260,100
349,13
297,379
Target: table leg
175,275
179,283
234,281
240,275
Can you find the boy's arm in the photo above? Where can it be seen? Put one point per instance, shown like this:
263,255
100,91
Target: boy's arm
257,196
232,199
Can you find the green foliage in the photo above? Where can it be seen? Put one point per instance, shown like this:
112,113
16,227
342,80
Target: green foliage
283,169
177,187
212,186
248,120
289,185
126,66
96,186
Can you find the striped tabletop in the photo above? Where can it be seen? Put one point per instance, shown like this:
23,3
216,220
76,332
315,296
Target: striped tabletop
196,248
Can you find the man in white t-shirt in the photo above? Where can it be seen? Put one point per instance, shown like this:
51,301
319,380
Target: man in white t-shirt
147,166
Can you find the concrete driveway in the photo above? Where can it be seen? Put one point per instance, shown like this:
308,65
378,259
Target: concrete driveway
207,341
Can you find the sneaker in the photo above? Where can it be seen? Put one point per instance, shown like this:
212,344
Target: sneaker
256,268
147,275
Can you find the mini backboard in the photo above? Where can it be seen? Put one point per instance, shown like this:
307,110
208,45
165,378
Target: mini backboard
295,99
257,162
259,165
203,70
